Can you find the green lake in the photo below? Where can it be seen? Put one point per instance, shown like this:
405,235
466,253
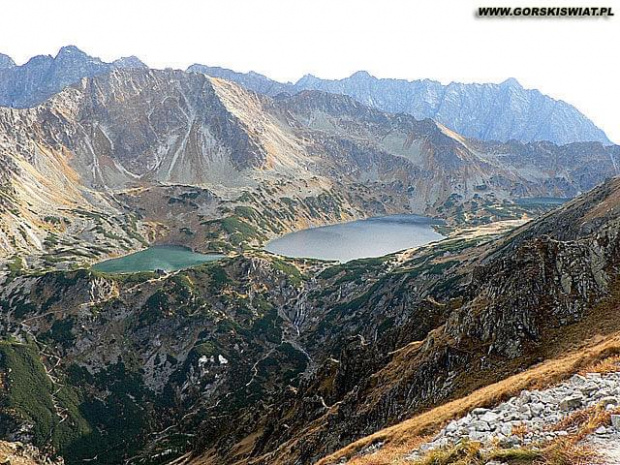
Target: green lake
162,257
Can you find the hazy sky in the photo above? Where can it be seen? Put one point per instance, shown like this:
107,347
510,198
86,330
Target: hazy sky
573,60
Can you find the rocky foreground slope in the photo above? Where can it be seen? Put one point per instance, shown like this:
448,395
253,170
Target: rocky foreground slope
535,418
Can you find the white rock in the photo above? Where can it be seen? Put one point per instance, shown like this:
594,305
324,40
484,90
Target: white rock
452,426
601,430
490,417
506,429
605,401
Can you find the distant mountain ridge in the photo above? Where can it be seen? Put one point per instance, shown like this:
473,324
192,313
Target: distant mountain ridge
492,112
500,112
43,75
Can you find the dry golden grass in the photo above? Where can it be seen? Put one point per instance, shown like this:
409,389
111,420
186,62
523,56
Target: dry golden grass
609,365
394,455
560,452
563,451
592,345
585,421
568,453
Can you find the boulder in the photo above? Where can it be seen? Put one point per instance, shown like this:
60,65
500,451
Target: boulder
571,402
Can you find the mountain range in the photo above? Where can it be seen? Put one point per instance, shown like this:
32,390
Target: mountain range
258,359
494,112
43,75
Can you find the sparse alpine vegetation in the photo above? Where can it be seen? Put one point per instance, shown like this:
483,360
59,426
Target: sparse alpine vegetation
259,359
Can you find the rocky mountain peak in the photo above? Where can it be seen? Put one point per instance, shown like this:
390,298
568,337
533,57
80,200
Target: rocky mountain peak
130,62
71,51
305,80
511,82
362,75
6,61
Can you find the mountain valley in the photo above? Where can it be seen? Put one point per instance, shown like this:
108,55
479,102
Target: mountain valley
258,358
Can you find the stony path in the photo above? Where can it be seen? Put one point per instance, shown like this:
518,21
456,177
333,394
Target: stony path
528,418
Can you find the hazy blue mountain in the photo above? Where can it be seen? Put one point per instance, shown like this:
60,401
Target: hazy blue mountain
6,61
131,62
484,111
43,75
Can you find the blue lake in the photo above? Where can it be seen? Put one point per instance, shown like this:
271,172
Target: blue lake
373,237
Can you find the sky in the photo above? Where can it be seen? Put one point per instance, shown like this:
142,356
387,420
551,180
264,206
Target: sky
570,59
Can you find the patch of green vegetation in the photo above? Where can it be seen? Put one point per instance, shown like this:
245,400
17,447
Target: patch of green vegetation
108,234
52,220
154,307
218,275
439,268
30,395
187,231
127,278
206,349
15,266
50,241
353,270
231,232
246,197
183,287
295,276
269,326
119,422
60,332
